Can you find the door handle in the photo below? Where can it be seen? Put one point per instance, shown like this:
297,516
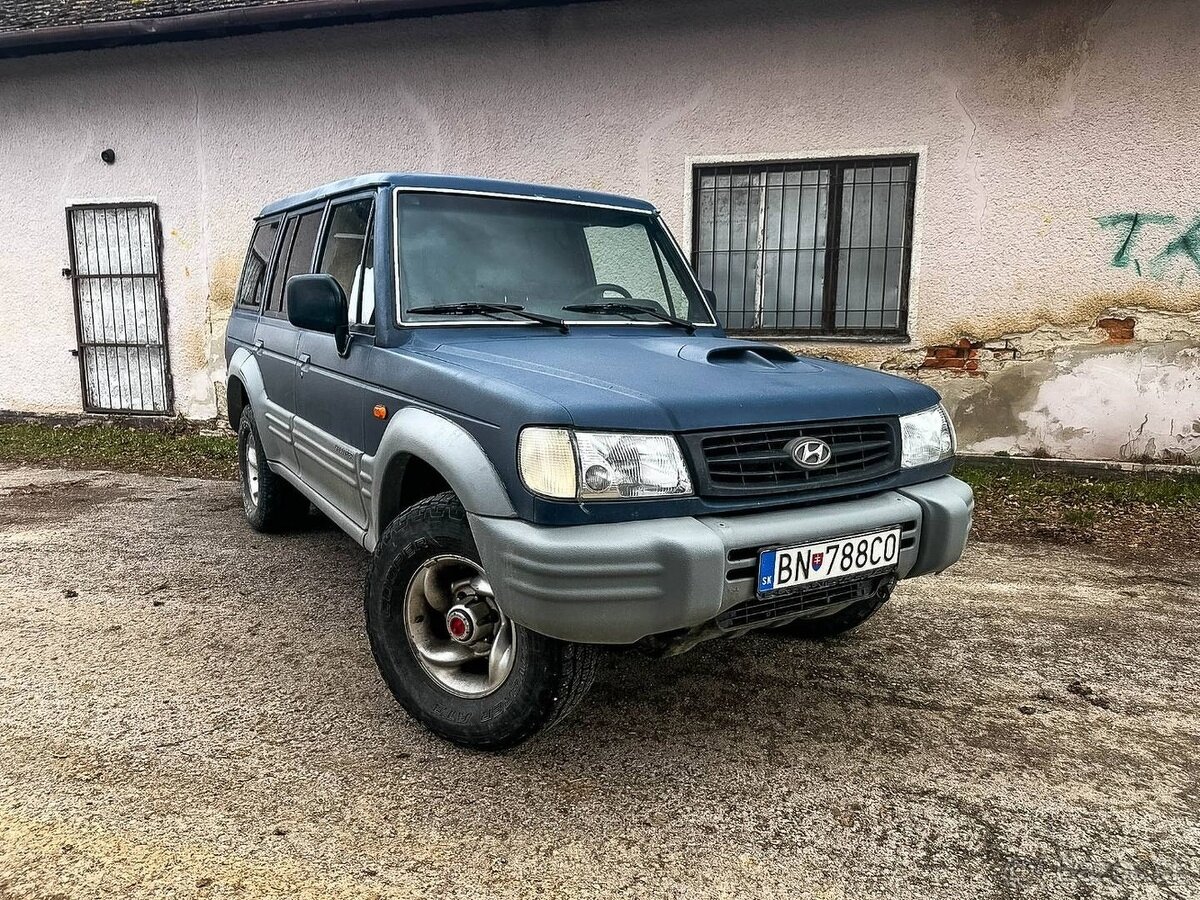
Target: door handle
305,359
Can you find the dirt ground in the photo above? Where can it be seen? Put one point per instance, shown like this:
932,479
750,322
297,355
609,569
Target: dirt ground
190,709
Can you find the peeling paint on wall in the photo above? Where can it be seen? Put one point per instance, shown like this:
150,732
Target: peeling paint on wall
1125,386
1142,401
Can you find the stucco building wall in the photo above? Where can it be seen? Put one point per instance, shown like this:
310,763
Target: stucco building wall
1041,129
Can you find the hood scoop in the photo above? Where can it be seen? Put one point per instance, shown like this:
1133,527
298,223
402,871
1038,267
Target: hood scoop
764,356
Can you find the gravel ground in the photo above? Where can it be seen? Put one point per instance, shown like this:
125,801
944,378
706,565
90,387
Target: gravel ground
190,709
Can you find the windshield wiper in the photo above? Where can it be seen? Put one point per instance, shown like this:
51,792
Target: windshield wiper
629,308
483,309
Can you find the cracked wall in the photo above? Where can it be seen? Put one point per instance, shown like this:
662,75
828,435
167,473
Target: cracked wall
1127,387
1055,190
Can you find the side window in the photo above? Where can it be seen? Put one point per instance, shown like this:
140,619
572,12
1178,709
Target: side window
254,273
275,303
348,255
295,257
364,312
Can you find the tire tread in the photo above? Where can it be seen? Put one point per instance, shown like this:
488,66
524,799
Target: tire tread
280,506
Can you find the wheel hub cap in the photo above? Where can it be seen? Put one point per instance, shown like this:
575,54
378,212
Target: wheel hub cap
459,636
471,622
460,625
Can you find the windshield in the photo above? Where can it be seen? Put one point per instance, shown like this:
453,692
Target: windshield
541,256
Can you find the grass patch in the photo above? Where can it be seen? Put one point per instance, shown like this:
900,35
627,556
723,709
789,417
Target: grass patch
168,451
1121,513
1034,485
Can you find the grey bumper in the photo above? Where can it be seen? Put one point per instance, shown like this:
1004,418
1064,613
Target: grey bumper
615,584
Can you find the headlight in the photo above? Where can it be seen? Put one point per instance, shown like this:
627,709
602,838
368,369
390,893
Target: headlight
926,437
599,465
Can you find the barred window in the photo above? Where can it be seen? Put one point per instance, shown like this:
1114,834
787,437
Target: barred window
814,248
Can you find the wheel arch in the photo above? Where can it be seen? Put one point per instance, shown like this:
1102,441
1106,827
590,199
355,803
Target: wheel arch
407,479
244,385
235,400
422,454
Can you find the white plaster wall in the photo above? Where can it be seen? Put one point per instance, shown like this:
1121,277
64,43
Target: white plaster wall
1032,119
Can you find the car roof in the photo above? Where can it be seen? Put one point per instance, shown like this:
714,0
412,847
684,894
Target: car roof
458,184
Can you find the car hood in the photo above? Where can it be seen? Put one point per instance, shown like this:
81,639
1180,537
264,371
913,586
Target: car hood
673,382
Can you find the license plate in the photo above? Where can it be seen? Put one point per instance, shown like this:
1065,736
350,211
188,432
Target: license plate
789,566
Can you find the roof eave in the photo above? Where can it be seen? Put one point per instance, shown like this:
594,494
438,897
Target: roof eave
247,20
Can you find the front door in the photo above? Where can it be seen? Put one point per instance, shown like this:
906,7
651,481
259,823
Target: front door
332,396
120,311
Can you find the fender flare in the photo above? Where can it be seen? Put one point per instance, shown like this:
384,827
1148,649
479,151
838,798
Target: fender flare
244,367
452,451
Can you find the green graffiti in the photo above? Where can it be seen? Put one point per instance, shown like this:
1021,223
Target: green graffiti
1133,224
1138,233
1185,246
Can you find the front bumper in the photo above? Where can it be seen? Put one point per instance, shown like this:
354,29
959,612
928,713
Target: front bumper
617,583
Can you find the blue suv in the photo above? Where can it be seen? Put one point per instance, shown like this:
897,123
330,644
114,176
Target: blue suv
519,400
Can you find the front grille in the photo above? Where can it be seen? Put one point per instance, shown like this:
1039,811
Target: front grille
754,461
787,604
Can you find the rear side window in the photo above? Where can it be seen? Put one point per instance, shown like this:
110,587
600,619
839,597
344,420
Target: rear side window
254,273
295,256
275,304
345,256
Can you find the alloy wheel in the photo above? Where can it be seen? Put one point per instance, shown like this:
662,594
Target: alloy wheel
250,453
460,637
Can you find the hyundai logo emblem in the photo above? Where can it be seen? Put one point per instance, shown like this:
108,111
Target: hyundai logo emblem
809,453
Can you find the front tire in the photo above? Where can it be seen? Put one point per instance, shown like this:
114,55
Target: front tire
271,504
450,656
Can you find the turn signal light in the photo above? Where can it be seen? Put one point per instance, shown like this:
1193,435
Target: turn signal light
380,412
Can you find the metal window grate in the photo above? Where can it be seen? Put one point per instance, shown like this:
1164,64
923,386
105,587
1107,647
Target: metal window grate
120,313
807,248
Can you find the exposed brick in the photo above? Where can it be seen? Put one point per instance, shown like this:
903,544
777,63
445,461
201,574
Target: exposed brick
935,362
1119,330
962,354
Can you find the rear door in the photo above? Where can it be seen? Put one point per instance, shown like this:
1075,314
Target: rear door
252,287
276,342
332,396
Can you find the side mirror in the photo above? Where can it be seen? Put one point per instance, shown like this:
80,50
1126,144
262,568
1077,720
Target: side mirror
318,303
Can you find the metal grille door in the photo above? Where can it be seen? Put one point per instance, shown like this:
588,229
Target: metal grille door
120,311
